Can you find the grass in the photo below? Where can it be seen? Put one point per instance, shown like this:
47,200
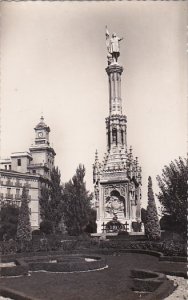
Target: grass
113,283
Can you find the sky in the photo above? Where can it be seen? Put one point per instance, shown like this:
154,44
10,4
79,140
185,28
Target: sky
53,60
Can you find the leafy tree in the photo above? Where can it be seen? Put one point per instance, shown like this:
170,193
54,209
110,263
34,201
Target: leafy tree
24,226
92,225
173,193
143,215
8,221
51,200
76,203
46,227
44,203
167,223
152,227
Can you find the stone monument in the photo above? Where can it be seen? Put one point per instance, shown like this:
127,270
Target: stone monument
117,180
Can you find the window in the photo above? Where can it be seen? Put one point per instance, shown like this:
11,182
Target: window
122,137
17,192
34,171
19,162
114,135
5,167
8,191
9,167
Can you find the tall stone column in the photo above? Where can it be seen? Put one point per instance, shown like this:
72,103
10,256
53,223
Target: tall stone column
114,72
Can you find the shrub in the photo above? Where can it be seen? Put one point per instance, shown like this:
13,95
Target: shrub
46,227
8,247
136,226
21,268
24,225
152,227
36,232
9,220
145,280
168,248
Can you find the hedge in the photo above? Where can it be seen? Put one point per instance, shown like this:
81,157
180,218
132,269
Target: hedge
146,281
65,263
21,268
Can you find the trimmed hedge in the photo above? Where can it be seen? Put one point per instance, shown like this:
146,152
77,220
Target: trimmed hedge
168,248
65,263
21,268
146,281
163,291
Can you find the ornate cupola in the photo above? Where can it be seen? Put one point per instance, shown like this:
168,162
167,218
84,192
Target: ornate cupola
117,181
42,133
42,153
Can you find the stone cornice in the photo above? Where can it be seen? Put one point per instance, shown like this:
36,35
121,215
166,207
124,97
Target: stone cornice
41,148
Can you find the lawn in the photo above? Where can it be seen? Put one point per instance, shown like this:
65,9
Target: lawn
112,283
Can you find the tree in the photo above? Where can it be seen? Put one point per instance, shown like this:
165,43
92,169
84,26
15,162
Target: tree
152,227
46,227
143,215
76,203
173,193
9,220
51,200
24,226
92,225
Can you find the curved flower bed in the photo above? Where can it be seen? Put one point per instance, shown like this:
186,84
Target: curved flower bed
19,268
71,263
53,263
146,281
155,284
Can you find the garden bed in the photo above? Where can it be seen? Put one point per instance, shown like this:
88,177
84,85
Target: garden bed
16,268
65,263
146,281
112,283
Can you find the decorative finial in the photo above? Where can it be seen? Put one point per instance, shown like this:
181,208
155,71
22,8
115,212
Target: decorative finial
42,118
96,155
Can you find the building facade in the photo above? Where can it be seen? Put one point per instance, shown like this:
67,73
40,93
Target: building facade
117,180
30,169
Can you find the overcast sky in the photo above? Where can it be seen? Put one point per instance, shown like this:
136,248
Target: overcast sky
53,59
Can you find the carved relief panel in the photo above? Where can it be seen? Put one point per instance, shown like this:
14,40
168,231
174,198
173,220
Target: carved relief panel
115,200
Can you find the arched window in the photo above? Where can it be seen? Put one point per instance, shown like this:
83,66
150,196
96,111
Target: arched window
114,135
122,137
109,139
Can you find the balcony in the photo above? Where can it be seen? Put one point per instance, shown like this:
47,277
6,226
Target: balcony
35,166
9,202
18,197
18,184
27,185
9,196
16,202
9,182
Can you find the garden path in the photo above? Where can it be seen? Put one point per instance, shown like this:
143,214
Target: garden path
181,293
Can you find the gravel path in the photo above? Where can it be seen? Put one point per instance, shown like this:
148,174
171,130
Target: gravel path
181,293
3,298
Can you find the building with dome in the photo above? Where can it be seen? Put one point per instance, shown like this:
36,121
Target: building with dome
31,169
